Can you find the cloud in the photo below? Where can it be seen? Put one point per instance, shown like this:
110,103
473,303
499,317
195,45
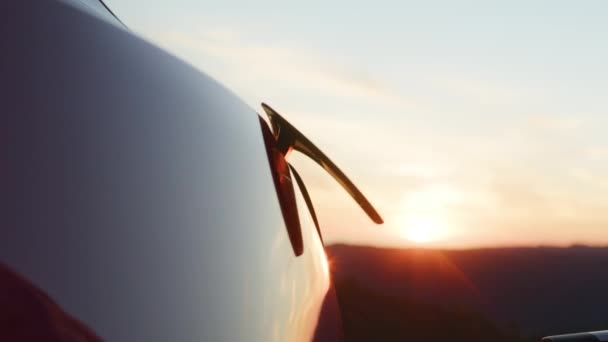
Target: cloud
555,123
597,153
455,86
282,65
591,178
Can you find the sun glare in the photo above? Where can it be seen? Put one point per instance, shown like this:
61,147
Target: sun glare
423,229
425,216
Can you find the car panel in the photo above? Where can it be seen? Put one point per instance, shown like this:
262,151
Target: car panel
137,192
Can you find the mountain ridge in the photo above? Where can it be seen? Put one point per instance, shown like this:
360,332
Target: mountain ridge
523,291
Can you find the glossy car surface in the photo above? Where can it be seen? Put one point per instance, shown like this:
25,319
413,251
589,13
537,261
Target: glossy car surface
137,192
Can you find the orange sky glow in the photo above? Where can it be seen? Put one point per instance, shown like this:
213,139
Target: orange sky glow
466,125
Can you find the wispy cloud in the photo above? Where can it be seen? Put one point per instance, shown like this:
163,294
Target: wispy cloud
597,153
591,178
283,65
479,90
555,123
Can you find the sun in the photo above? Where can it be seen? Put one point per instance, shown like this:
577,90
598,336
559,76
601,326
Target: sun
425,216
423,229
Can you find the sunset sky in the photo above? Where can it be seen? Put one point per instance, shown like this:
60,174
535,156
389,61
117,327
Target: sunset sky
469,124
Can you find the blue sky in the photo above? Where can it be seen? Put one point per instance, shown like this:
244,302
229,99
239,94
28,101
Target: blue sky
468,124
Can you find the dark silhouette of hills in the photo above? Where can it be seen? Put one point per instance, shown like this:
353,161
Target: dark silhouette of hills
495,294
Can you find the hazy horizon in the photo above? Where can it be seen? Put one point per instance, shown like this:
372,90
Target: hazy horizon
430,247
467,125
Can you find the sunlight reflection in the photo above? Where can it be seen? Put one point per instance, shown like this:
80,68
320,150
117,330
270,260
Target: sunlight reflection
324,264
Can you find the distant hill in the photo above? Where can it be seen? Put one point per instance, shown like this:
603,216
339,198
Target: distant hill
501,294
